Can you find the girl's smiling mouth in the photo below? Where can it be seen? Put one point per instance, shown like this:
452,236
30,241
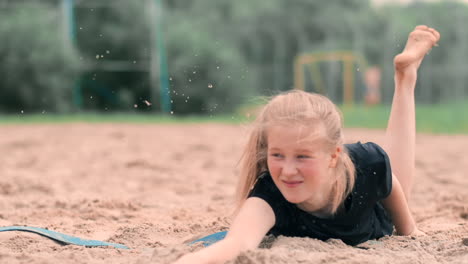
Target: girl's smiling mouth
292,184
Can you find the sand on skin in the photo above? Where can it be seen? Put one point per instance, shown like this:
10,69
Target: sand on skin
152,187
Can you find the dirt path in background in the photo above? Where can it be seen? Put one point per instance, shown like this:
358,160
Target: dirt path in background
152,187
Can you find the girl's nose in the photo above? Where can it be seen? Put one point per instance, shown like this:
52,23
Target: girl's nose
289,168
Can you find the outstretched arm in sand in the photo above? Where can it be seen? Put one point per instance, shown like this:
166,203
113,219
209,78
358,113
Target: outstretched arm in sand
249,227
400,213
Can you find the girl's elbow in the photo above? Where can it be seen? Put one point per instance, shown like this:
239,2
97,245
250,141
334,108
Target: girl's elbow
406,230
249,245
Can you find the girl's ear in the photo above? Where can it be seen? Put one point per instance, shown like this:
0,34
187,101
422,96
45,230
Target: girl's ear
334,157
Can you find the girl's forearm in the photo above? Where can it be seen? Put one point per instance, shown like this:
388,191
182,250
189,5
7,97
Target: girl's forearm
398,208
403,220
250,225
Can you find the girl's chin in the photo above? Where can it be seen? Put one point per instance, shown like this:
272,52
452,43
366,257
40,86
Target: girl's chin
294,200
294,197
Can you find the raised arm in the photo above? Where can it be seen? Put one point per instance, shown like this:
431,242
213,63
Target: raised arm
253,221
397,206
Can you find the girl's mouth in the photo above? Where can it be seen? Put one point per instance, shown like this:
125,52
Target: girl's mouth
292,184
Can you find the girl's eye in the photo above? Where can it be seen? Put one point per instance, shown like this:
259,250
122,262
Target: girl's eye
276,155
303,157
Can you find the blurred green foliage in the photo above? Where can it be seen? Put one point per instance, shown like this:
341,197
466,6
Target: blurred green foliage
208,73
37,69
444,73
220,53
119,31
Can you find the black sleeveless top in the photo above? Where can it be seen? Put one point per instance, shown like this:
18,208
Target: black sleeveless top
362,217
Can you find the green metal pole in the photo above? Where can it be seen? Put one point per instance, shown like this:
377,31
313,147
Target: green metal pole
163,71
69,15
71,34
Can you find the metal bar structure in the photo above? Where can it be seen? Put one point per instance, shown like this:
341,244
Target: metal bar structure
348,59
158,64
118,65
317,77
163,72
69,40
69,20
348,79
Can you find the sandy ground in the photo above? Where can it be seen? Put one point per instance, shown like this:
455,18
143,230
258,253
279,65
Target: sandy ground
153,187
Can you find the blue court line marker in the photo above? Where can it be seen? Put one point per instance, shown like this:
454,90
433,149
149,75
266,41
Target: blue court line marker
211,239
62,237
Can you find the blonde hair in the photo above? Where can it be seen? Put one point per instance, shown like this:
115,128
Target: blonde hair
299,108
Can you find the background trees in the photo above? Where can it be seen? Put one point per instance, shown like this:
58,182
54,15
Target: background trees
219,53
37,69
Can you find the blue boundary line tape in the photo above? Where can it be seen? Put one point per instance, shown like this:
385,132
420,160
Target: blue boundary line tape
63,238
211,239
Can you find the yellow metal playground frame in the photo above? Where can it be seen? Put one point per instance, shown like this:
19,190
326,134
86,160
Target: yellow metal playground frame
312,60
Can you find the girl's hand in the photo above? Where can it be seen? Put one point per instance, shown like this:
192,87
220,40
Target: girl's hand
190,258
249,227
416,232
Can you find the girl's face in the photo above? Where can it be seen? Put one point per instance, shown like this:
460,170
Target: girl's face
300,166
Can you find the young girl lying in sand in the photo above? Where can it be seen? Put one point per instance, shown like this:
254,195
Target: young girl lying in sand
299,179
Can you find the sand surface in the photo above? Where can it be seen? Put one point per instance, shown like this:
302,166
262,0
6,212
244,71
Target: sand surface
153,187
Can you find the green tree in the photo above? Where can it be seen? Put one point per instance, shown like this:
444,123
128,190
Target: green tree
37,70
443,75
119,32
207,69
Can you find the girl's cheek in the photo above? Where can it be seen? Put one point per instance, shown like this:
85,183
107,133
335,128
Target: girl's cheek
273,165
312,170
270,164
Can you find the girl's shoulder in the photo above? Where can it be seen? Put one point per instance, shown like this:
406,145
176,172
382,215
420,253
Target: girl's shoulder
367,154
373,170
264,186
